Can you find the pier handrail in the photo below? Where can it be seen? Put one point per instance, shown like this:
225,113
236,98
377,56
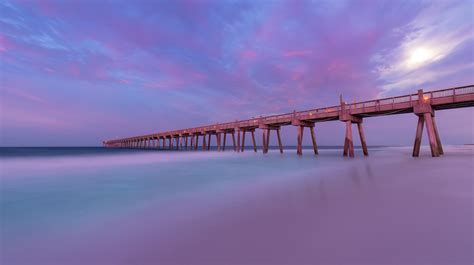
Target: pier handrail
285,117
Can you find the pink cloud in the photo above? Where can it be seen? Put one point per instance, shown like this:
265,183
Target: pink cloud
248,54
297,53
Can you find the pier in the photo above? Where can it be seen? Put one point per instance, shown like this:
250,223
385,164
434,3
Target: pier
423,104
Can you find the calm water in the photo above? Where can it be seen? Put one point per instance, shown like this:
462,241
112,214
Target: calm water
111,206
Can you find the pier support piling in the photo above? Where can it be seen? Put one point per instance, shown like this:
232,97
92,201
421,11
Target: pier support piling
426,116
267,141
243,141
218,140
266,137
299,147
313,139
204,147
348,143
360,128
238,140
223,143
438,139
264,140
208,141
300,125
253,141
233,142
280,145
346,116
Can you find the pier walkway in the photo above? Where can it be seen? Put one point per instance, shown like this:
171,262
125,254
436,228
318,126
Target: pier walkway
423,104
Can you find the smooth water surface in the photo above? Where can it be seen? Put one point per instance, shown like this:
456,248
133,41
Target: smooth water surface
111,206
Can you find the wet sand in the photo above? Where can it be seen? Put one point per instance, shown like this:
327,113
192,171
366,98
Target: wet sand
388,208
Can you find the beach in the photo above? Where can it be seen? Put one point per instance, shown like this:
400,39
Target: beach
194,207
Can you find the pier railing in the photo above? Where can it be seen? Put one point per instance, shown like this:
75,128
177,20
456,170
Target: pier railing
455,97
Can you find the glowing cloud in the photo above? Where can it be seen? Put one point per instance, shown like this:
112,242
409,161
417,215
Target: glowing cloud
436,34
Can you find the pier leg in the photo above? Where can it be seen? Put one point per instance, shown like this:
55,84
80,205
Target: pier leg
431,135
253,141
218,140
299,147
177,142
362,139
346,145
208,142
192,142
243,141
313,138
204,142
350,143
267,144
186,142
196,142
233,141
264,140
238,141
438,139
170,143
223,144
279,140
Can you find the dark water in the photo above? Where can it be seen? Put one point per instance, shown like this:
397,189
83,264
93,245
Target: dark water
8,152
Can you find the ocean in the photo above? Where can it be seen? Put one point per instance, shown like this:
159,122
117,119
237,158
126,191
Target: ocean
118,206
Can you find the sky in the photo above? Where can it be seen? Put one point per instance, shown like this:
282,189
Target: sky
75,73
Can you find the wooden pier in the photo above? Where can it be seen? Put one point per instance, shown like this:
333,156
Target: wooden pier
423,104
